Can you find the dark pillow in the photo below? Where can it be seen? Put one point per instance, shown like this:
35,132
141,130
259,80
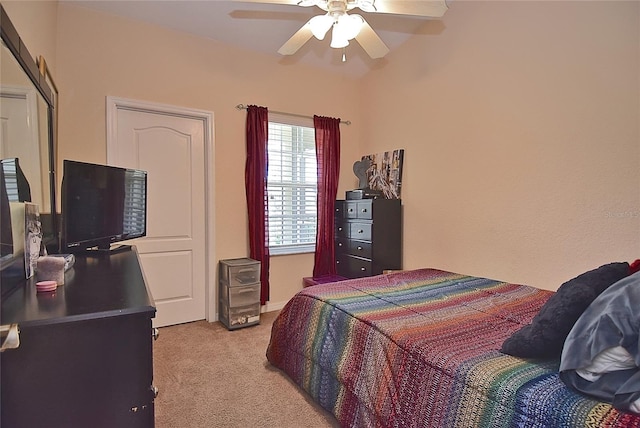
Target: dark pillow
545,336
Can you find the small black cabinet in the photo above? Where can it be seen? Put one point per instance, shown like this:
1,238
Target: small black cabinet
86,351
368,236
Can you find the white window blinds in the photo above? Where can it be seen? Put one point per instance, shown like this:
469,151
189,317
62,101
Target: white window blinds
291,185
134,217
10,171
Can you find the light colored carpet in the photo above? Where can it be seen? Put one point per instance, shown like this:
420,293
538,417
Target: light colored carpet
208,376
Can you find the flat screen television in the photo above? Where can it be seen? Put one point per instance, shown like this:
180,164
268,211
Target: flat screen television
101,205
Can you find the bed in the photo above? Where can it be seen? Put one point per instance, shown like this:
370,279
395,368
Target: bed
422,348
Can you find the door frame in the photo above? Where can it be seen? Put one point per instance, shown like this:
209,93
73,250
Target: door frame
113,105
29,96
31,106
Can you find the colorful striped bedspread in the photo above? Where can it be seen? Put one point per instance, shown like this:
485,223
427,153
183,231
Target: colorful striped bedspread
421,349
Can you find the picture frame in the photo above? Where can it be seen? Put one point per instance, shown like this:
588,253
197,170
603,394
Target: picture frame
32,238
385,172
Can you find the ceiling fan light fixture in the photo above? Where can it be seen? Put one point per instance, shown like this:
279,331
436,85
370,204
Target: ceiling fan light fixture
320,25
351,24
347,27
338,37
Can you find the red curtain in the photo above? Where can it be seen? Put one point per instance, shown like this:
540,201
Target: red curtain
327,132
255,179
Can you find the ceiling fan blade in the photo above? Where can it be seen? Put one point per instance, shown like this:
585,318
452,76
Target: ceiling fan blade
431,8
292,2
296,41
370,42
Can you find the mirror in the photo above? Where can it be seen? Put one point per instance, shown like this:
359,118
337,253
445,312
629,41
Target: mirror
24,133
27,128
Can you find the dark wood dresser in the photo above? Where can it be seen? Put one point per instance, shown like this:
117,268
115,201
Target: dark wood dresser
368,236
85,357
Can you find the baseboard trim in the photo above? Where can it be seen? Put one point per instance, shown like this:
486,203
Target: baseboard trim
272,306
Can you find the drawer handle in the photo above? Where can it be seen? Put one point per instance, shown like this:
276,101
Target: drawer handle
364,210
155,391
12,341
340,229
360,231
363,269
337,262
359,248
155,333
350,210
339,244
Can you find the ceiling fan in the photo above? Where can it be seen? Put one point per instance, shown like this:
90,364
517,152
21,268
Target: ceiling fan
347,26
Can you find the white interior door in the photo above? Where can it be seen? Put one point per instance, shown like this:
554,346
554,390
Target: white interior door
19,136
172,147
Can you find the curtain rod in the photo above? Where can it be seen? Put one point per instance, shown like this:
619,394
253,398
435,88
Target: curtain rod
244,107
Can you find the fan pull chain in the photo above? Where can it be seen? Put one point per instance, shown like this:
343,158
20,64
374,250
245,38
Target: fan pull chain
344,54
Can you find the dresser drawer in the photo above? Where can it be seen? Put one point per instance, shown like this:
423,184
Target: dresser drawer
350,209
339,211
362,268
352,247
342,267
242,316
353,267
342,246
238,272
364,209
77,367
342,230
360,249
240,296
360,231
357,209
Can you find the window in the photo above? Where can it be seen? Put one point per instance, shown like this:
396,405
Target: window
291,185
134,202
10,171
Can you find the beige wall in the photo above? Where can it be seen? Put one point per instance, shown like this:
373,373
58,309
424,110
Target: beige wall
520,122
100,55
36,22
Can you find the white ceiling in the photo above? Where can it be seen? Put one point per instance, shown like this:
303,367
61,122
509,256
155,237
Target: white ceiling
265,27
